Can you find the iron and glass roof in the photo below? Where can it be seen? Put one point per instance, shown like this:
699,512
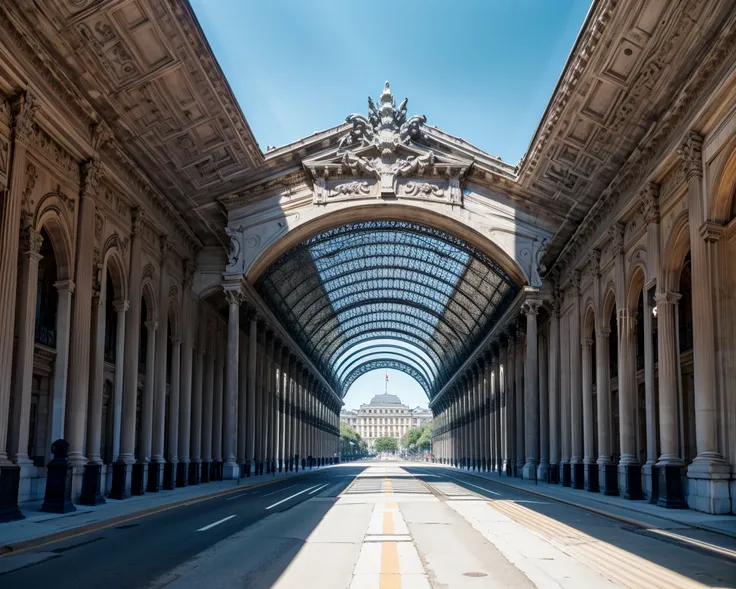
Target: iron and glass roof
387,294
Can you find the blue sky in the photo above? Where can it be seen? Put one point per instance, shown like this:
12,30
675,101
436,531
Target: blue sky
482,70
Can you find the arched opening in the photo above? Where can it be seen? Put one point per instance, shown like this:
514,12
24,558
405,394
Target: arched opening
47,297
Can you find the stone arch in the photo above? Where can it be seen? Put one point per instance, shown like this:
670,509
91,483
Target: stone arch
724,188
677,247
636,282
50,216
283,240
112,261
609,301
589,320
148,292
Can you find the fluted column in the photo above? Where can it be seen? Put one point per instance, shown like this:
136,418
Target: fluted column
96,373
234,298
132,337
591,470
488,413
197,386
162,338
553,353
121,311
260,425
668,367
509,387
243,401
78,389
174,400
277,404
498,403
185,382
24,109
208,386
709,463
251,414
531,390
147,401
519,403
544,425
565,427
576,388
267,399
218,393
30,256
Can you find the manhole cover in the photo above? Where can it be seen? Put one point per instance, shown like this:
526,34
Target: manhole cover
474,575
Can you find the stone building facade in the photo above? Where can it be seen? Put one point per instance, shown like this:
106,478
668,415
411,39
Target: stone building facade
146,240
385,416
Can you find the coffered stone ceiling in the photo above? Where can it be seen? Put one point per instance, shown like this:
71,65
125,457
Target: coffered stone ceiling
145,67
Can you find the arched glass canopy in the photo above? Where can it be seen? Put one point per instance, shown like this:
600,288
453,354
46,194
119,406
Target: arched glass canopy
387,294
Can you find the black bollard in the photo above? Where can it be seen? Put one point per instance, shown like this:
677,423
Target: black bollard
91,492
58,496
9,486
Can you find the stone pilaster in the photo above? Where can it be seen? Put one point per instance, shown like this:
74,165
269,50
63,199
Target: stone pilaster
175,400
188,328
591,469
251,413
553,353
148,392
520,453
162,337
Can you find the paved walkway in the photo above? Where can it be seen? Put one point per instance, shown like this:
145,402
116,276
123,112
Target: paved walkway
641,511
38,524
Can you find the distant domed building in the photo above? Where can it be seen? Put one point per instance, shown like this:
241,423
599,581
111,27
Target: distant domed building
385,416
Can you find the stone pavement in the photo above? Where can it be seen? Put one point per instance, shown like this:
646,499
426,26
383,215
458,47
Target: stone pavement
641,512
39,526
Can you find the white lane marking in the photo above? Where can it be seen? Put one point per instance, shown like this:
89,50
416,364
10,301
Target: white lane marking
238,496
217,523
290,497
279,490
318,488
472,485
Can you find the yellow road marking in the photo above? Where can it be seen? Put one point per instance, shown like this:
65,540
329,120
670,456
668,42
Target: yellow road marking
390,577
388,523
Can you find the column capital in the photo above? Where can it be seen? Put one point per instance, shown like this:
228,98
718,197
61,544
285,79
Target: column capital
531,306
137,217
233,294
64,286
151,325
667,298
167,246
587,344
616,233
604,332
594,257
175,340
121,306
31,241
649,197
92,173
190,267
711,232
24,107
690,153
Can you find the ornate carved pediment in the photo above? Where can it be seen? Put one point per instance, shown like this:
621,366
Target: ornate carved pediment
382,156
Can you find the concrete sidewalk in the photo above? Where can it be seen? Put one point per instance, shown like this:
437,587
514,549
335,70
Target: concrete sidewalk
39,527
636,512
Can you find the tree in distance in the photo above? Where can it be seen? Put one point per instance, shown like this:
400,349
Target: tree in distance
386,445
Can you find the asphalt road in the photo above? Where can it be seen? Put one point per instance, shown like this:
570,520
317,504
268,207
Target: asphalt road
319,531
134,554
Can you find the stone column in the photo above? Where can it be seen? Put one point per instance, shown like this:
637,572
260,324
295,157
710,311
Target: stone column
218,393
185,390
24,109
591,469
243,402
208,386
607,478
670,463
553,353
78,389
251,412
267,400
565,431
121,308
489,414
162,338
289,418
30,257
509,390
234,297
498,403
197,382
531,385
261,343
629,468
543,468
147,400
519,403
648,470
474,422
96,373
132,336
576,390
708,466
277,404
174,402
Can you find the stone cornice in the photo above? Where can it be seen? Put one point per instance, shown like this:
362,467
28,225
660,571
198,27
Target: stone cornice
655,147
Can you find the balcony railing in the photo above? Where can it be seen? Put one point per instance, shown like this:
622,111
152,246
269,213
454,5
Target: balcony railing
46,336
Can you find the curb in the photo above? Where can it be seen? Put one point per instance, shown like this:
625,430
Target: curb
603,513
24,545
